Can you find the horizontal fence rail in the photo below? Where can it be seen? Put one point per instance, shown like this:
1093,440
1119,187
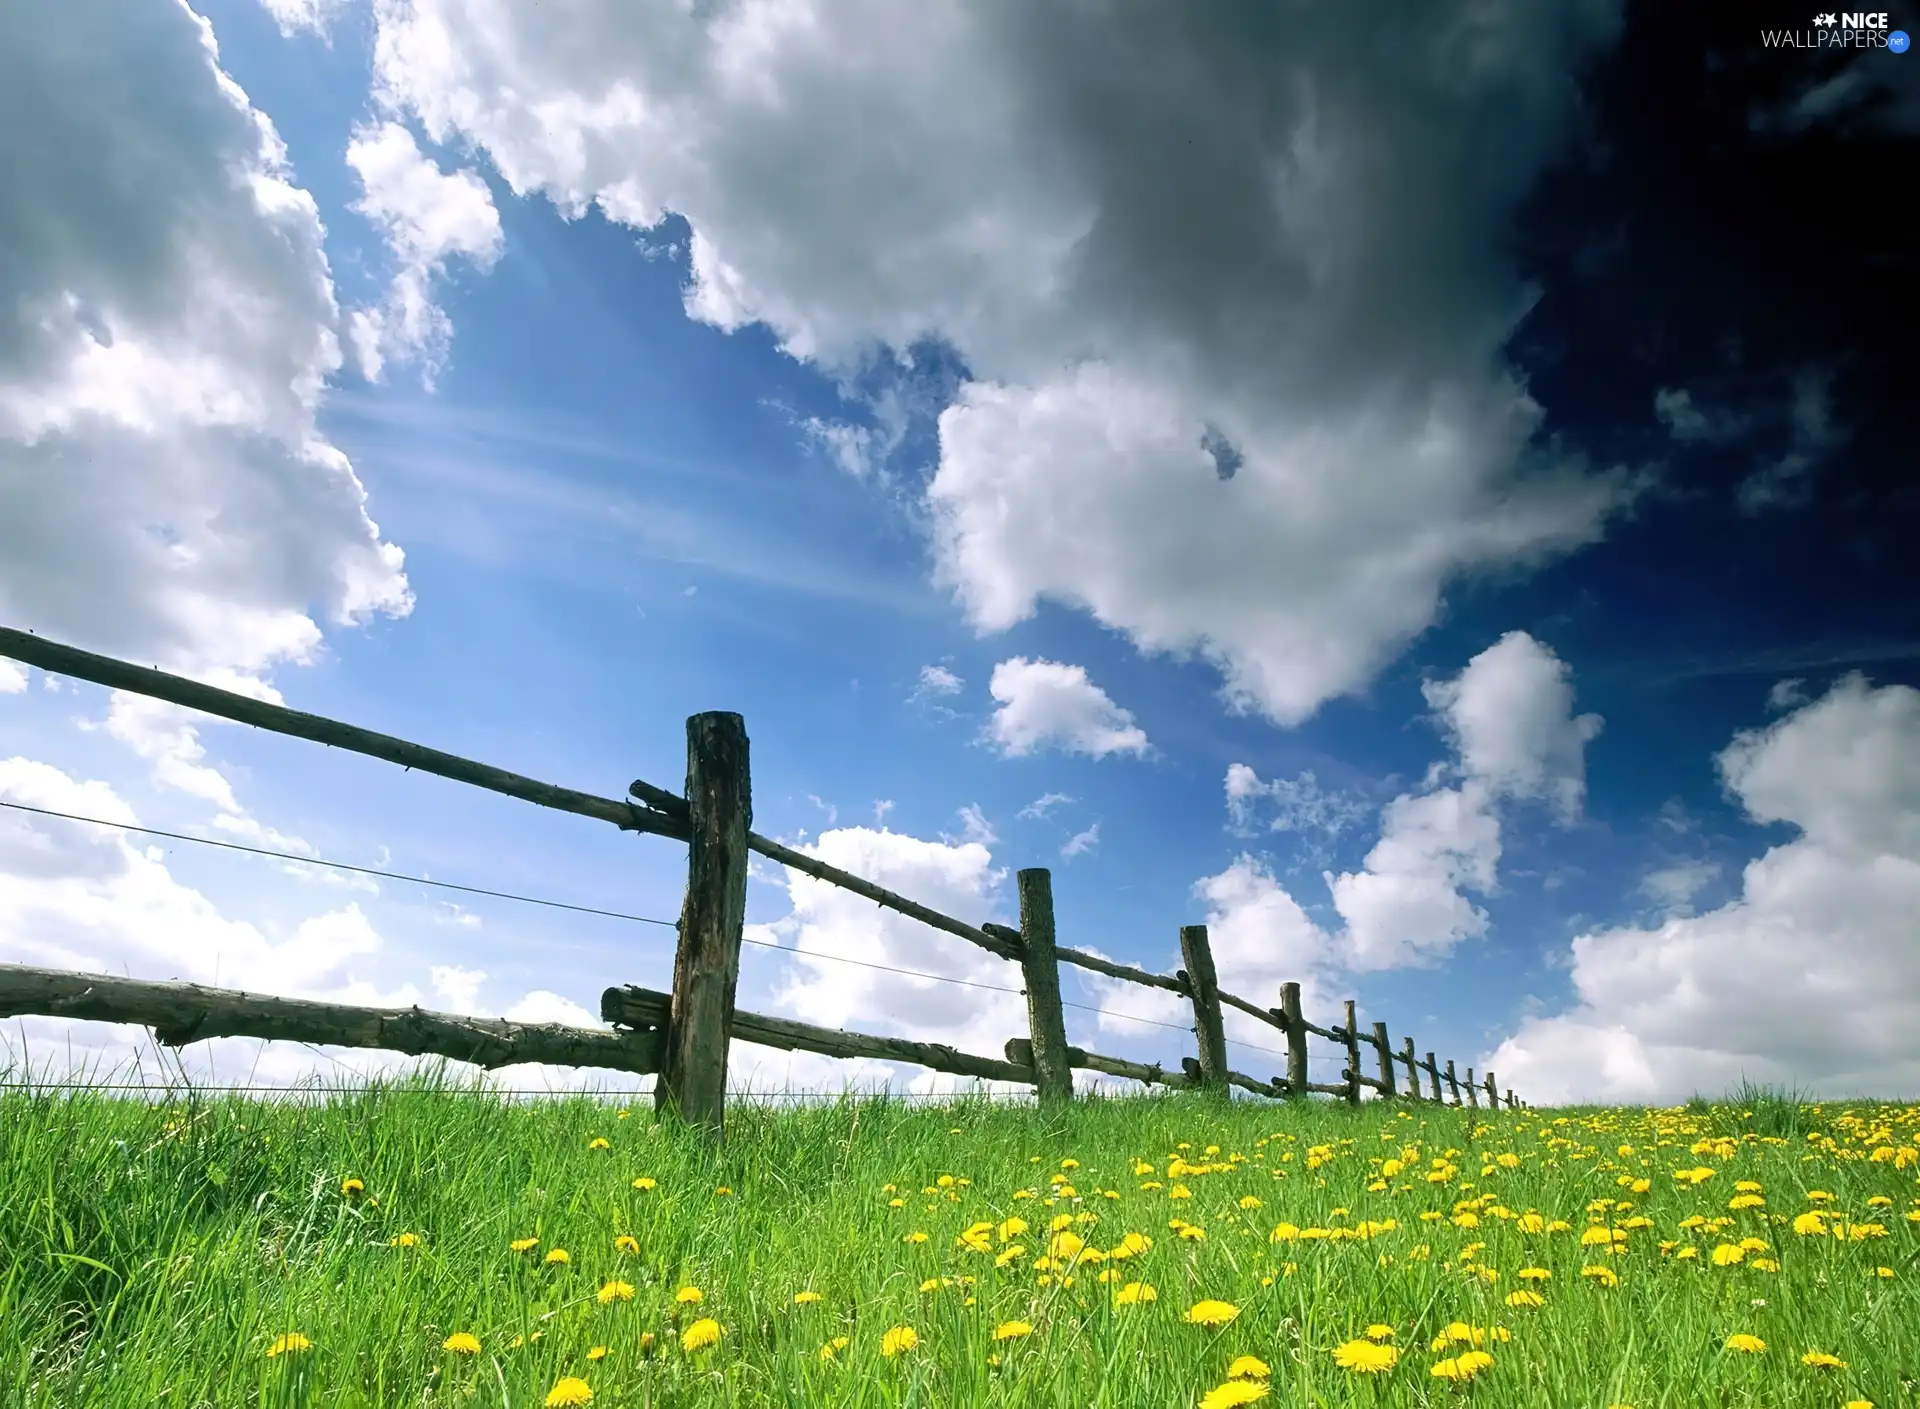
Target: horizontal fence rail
183,1013
682,1036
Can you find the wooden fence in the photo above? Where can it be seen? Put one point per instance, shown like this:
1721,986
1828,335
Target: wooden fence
683,1035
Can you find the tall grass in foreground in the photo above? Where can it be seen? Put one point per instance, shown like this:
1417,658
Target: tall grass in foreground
402,1245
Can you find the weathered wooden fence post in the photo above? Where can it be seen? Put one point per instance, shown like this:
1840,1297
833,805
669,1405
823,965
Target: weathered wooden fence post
1296,1041
706,961
1204,985
1493,1092
1453,1082
1433,1075
1353,1057
1053,1078
1510,1101
1386,1059
1473,1093
1413,1069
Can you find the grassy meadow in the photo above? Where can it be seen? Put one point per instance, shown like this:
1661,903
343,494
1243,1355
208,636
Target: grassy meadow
416,1245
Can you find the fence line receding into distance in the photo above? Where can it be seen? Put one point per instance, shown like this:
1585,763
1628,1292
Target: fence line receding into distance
682,1036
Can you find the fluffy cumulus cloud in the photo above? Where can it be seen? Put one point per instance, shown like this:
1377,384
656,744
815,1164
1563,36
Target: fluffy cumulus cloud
428,219
1809,977
166,327
1228,280
1044,704
1509,715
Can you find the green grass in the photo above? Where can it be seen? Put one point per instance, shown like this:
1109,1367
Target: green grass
151,1253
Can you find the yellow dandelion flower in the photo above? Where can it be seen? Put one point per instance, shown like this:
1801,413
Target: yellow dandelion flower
805,1298
898,1341
1365,1357
1135,1294
1379,1331
832,1348
1525,1298
598,1142
722,1191
461,1343
614,1291
1534,1274
1012,1330
1605,1276
525,1244
1249,1367
689,1296
1233,1393
292,1343
1820,1360
644,1183
1211,1313
404,1240
351,1186
700,1335
596,1352
569,1389
1727,1254
559,1257
626,1243
1745,1344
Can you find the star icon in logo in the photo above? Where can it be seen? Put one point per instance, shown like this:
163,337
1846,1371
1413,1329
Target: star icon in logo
1826,21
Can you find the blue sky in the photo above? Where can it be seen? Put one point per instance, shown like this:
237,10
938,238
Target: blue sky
1560,456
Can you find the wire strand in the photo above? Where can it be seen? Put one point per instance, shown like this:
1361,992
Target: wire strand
342,866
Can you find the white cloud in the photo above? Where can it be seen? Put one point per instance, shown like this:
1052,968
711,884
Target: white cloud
1406,906
304,16
1081,842
1810,977
1674,887
1687,419
975,826
1787,482
1045,704
428,218
166,328
456,990
1787,694
937,680
1329,327
13,678
1865,96
1043,804
1510,713
1299,804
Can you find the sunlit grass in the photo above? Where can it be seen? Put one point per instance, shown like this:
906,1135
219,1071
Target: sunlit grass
402,1245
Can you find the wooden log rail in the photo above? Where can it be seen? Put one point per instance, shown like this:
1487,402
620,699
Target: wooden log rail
1020,1053
182,1013
645,1007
